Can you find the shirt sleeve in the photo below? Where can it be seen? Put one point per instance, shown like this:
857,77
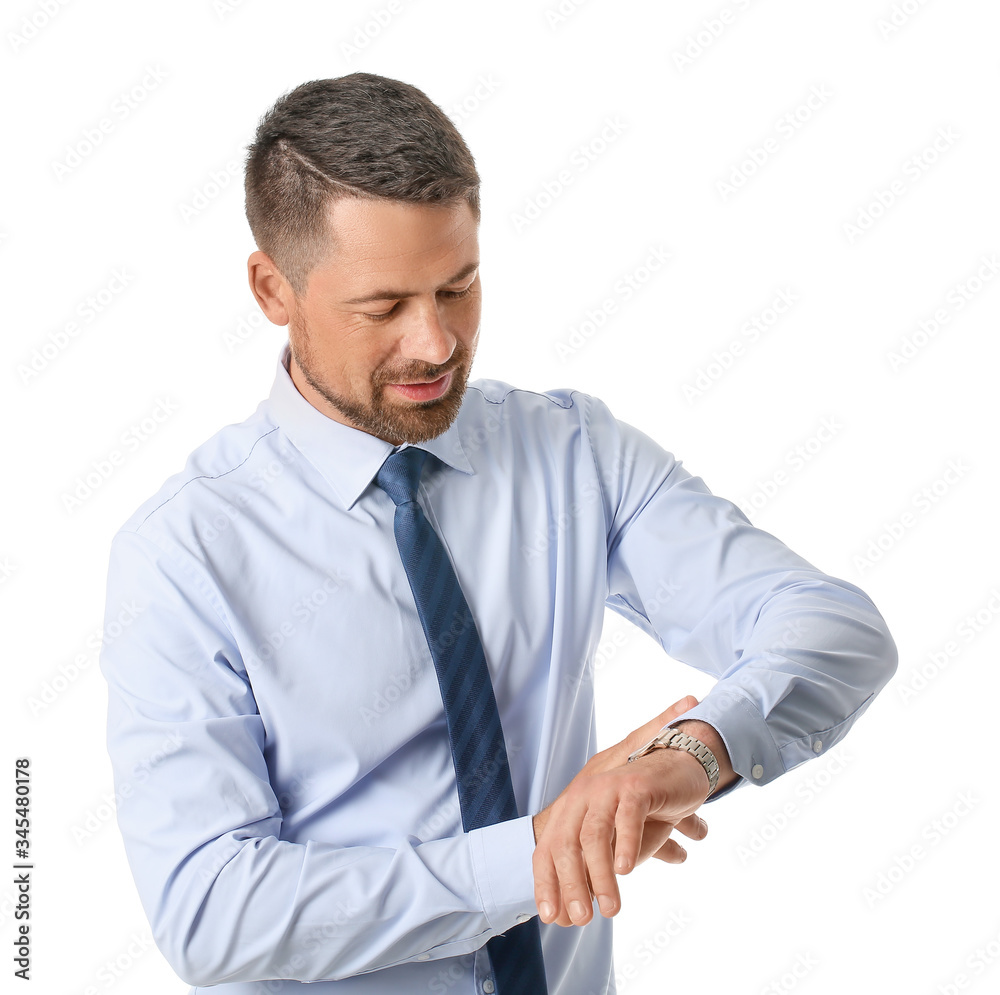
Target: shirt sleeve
227,899
798,655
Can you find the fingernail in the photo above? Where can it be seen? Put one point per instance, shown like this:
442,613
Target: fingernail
683,852
576,910
546,911
607,904
621,865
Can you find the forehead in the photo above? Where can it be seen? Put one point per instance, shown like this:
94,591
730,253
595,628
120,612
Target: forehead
392,242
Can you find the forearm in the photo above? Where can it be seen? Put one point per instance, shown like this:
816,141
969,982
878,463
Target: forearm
314,911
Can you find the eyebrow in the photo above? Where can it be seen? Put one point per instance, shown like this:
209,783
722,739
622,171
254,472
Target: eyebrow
393,295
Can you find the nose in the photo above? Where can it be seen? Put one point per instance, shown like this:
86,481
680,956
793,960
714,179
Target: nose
427,338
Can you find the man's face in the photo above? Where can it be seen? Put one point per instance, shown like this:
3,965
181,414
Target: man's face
397,302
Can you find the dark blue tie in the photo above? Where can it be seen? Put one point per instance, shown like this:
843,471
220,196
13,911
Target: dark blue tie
485,793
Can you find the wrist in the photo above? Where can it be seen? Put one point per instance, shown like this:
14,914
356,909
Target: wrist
709,735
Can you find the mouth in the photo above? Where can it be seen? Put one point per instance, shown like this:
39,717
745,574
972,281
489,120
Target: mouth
423,391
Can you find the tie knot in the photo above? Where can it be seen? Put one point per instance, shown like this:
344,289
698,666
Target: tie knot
400,474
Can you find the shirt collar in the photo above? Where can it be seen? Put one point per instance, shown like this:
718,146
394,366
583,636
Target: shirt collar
347,458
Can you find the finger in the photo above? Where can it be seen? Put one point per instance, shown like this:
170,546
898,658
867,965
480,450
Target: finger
596,841
574,890
615,756
546,882
565,885
633,807
646,732
694,827
671,852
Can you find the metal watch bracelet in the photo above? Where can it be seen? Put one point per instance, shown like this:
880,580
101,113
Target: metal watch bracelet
677,739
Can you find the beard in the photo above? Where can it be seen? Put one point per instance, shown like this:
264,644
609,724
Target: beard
380,413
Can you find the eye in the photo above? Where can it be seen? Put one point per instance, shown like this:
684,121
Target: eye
457,294
454,295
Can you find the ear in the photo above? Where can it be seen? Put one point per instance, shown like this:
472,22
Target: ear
270,288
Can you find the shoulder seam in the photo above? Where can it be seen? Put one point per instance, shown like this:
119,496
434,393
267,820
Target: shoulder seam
205,476
597,469
525,390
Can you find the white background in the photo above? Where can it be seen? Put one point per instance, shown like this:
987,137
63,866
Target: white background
898,494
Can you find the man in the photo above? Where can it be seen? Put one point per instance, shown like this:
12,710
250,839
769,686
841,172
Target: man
306,732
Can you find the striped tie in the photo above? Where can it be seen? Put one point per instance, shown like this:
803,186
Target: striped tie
485,792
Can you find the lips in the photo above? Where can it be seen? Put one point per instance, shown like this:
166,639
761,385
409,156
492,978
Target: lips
424,391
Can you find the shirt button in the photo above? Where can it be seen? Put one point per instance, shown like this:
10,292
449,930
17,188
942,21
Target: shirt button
423,957
488,986
756,772
817,746
523,918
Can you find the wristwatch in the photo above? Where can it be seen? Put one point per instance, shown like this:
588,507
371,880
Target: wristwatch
677,739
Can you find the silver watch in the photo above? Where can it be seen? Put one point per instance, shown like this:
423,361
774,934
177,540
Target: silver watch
677,739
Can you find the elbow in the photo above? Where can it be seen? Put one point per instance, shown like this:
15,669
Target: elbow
196,962
187,963
886,657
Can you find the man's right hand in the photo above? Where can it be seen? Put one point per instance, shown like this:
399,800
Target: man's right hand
656,840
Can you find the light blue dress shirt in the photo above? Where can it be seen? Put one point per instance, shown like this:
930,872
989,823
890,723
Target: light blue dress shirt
285,785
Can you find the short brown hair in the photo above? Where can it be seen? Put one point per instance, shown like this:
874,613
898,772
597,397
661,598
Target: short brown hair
359,135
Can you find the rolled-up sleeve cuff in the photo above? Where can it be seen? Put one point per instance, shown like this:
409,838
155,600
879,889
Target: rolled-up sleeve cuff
739,723
501,859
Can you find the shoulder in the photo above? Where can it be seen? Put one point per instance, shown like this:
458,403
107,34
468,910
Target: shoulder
214,474
486,396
